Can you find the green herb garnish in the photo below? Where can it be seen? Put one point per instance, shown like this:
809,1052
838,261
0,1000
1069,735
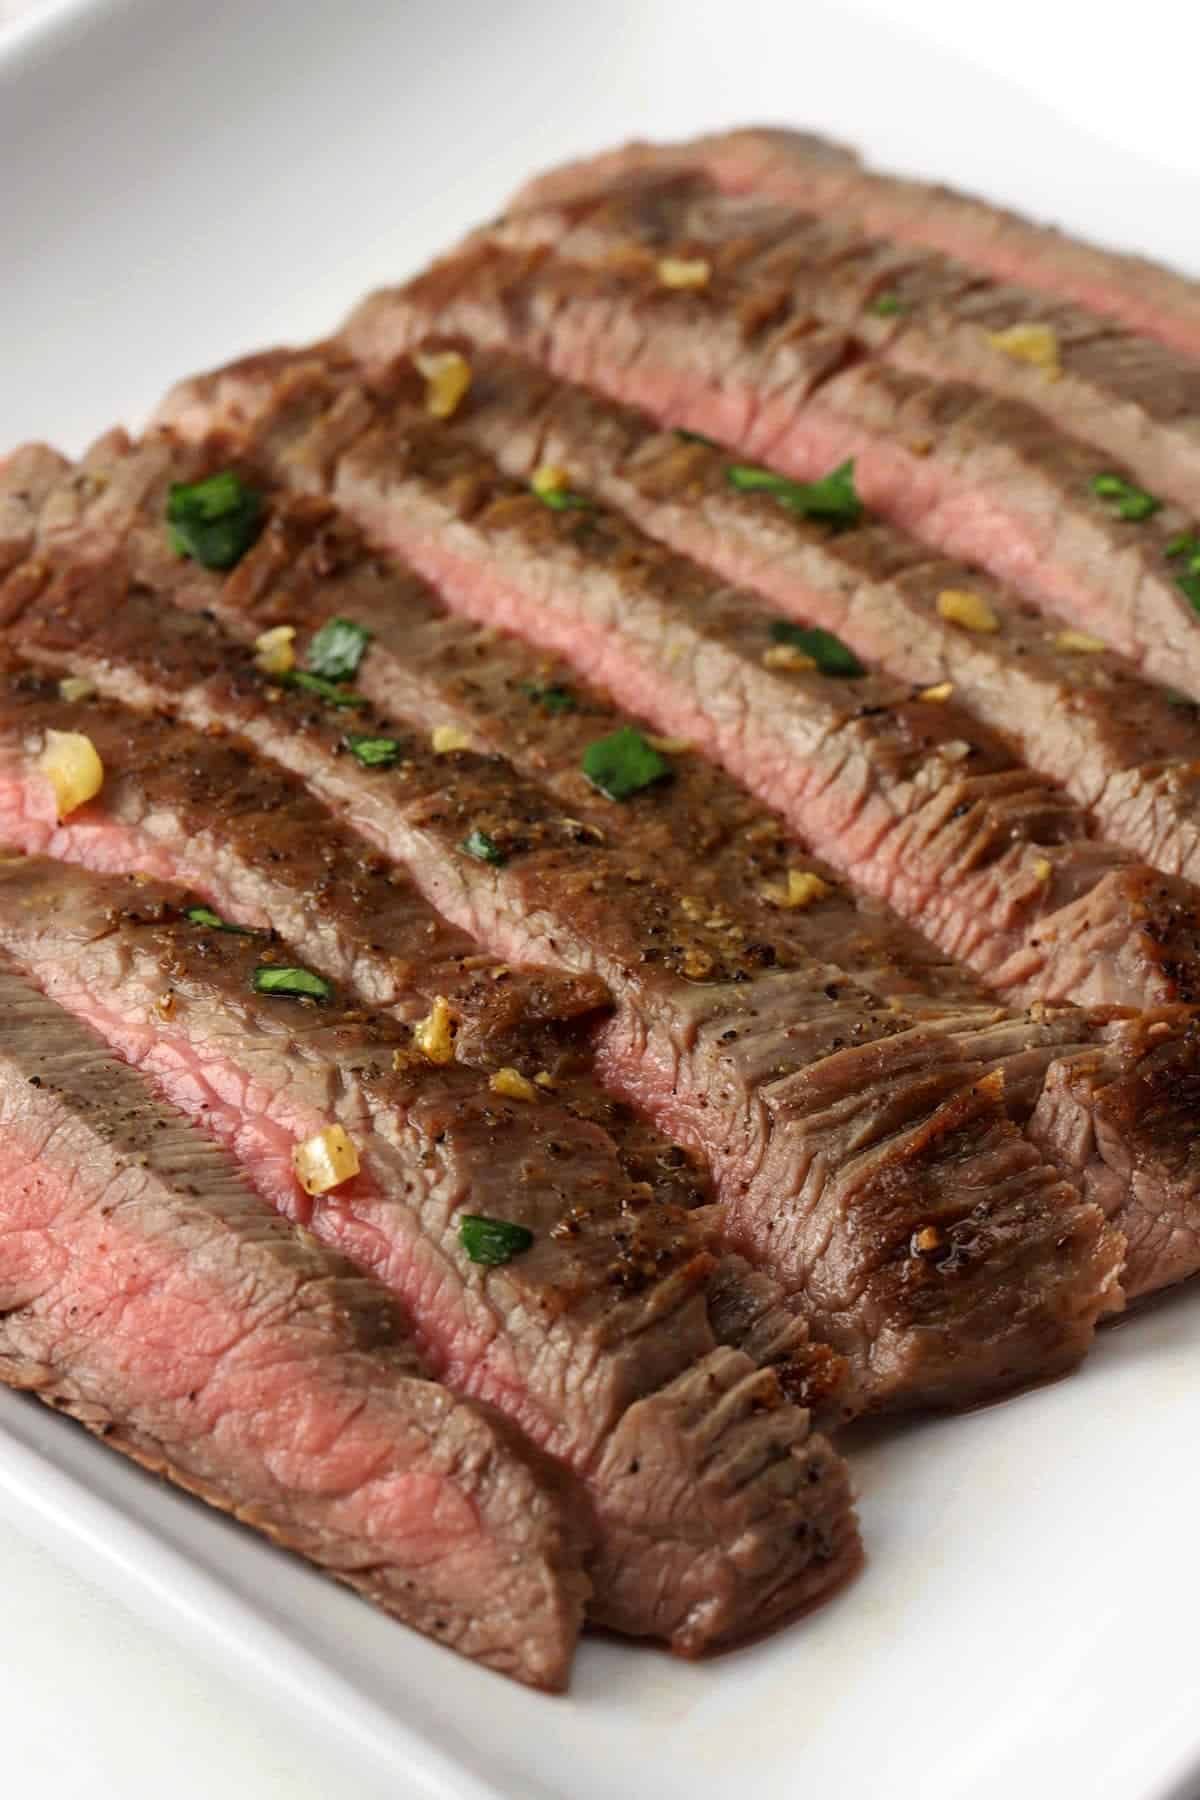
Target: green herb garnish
564,499
552,699
337,649
1186,544
332,692
1177,698
834,500
204,915
831,656
697,437
483,848
492,1242
295,984
886,306
215,521
624,763
1125,500
1189,586
373,752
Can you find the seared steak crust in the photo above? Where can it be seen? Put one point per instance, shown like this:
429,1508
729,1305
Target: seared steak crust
147,1292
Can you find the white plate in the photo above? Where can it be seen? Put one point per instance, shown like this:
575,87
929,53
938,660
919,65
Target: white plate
182,181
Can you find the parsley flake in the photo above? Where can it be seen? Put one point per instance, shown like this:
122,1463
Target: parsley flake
831,656
214,522
834,500
492,1242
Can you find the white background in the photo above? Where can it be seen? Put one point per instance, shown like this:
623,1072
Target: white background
94,1702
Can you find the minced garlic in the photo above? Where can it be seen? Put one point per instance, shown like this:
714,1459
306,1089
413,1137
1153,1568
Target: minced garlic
802,888
1043,869
544,1079
1035,344
76,687
512,1085
971,611
434,1034
669,746
325,1161
684,272
445,738
787,656
447,379
71,764
940,691
274,650
697,964
1079,641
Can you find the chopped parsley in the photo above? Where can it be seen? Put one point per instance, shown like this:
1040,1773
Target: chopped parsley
831,656
373,752
886,306
332,692
1123,498
294,984
483,848
834,500
337,649
204,915
214,522
492,1242
564,499
553,699
624,763
1187,546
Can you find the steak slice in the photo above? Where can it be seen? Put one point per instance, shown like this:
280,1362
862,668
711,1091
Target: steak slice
27,479
594,1338
838,1130
926,809
1070,707
980,477
146,1291
814,175
916,309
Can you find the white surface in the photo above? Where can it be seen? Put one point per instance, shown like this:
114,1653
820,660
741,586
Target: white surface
186,179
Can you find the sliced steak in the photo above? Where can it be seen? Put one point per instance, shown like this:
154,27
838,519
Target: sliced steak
980,477
838,1130
912,308
1121,747
147,1292
814,175
593,1335
927,809
730,858
27,479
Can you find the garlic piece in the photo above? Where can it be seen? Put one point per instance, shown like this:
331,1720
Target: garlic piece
434,1034
971,611
802,888
1034,344
76,687
549,478
940,691
274,650
512,1085
325,1161
787,656
447,380
445,738
1079,641
71,764
684,272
